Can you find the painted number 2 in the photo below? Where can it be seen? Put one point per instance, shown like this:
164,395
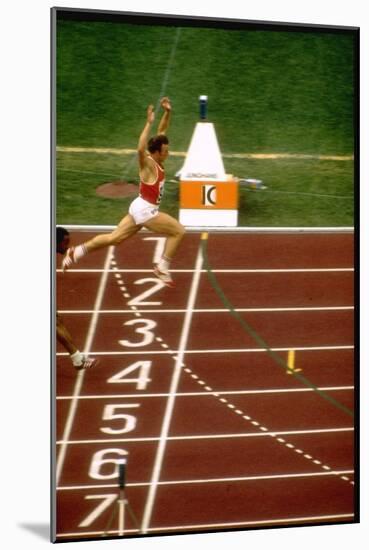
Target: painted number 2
154,287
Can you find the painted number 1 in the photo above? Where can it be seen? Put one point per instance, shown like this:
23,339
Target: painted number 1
159,248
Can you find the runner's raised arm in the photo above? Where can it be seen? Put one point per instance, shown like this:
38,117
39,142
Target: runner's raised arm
164,122
144,137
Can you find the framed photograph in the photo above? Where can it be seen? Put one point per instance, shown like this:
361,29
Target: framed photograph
205,191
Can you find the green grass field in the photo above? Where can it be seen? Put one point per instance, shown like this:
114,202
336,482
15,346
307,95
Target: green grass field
269,92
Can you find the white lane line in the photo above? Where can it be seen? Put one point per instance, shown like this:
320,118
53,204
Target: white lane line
250,523
220,351
173,391
213,526
202,437
212,480
206,393
81,373
235,270
211,310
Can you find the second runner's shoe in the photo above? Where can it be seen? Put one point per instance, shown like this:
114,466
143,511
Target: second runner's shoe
164,276
87,363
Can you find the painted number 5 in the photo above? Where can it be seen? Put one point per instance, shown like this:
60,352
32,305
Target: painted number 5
144,328
128,421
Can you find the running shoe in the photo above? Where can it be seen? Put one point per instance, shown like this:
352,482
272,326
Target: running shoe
87,363
68,259
164,276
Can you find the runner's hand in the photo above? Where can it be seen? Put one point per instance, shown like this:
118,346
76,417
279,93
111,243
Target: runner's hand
165,103
150,114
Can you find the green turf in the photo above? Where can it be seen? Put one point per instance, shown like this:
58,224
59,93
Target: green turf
269,91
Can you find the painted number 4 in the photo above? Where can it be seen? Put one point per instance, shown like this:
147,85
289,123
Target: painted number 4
142,378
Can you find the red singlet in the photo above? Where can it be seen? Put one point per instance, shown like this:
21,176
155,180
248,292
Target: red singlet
153,193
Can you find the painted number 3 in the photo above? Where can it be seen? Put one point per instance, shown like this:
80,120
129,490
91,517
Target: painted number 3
144,329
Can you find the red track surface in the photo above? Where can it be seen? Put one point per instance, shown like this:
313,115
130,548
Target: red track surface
215,434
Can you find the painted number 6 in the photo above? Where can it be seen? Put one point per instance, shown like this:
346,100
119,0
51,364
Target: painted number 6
104,466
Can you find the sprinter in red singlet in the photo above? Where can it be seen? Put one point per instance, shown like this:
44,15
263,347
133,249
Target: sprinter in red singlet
144,210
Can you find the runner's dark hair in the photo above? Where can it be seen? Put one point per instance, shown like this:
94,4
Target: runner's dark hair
61,232
156,142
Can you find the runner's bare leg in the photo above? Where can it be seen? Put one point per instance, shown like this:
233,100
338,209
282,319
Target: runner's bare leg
125,229
163,223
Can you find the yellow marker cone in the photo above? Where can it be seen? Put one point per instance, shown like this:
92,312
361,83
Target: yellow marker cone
291,369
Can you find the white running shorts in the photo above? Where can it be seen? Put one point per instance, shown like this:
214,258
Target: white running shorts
142,211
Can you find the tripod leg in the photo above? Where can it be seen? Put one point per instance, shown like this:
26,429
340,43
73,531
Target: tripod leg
121,504
133,517
112,516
